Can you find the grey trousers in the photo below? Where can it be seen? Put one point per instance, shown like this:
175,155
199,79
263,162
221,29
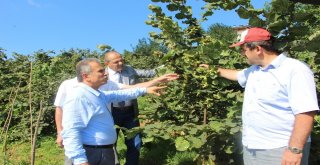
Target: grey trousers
67,161
270,156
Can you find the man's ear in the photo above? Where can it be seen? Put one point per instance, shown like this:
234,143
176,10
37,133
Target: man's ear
85,76
106,63
259,49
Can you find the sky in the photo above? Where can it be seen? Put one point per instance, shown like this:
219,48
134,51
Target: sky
30,25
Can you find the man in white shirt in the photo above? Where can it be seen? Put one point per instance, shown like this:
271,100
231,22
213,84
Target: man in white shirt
280,102
125,113
67,86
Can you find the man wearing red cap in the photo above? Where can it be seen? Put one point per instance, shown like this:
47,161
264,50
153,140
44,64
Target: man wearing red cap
280,102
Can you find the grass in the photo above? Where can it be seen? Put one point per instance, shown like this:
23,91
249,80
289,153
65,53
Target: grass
158,153
19,153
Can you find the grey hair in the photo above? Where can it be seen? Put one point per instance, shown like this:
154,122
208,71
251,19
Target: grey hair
84,67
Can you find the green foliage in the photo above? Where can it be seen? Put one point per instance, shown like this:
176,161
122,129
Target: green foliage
199,115
145,55
46,72
196,112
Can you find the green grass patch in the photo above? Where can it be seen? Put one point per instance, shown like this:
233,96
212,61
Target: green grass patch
47,152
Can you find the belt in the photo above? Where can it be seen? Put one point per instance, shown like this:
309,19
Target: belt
123,108
98,146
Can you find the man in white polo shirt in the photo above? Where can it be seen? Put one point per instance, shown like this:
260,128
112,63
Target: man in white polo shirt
280,102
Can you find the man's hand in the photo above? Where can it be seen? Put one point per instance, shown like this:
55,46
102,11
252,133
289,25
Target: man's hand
85,163
155,90
166,78
59,140
204,66
290,158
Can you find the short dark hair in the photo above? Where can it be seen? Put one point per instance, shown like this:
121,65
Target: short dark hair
84,67
267,45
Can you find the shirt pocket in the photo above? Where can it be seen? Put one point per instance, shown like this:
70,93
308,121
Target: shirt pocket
269,90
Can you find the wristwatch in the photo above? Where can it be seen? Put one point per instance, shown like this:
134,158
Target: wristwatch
295,150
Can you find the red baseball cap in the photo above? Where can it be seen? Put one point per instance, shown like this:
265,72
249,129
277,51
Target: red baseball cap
251,35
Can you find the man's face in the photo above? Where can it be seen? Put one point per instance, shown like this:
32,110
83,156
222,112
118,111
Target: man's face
252,55
97,76
116,63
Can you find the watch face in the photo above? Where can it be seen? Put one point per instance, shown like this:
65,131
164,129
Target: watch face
295,150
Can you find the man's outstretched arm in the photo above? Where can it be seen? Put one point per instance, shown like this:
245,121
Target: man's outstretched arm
162,79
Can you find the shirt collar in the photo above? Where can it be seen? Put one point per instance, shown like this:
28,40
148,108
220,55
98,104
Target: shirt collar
111,72
278,61
88,88
275,63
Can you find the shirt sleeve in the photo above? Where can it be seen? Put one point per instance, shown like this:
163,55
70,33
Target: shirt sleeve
61,94
243,75
302,91
76,115
145,73
125,94
111,85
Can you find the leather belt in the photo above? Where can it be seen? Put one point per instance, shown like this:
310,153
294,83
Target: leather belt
98,146
123,108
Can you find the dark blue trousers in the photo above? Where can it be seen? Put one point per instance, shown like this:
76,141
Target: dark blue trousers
126,118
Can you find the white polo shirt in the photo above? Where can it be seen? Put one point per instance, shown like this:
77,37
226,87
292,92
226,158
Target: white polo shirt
272,98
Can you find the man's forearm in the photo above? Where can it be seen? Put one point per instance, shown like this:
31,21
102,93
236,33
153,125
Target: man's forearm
230,74
302,128
58,119
122,95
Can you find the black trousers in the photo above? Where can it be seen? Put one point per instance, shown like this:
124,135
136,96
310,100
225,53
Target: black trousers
100,156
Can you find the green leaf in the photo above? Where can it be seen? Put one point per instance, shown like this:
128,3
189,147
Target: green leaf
228,150
172,7
193,131
315,36
180,16
167,56
256,21
278,25
196,142
216,126
181,144
103,47
243,12
148,139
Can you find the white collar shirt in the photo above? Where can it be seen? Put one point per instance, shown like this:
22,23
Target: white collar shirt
113,75
273,96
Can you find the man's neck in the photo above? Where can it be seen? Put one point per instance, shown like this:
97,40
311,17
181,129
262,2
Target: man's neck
91,85
268,58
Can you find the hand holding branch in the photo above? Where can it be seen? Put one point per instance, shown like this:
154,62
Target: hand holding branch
155,90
